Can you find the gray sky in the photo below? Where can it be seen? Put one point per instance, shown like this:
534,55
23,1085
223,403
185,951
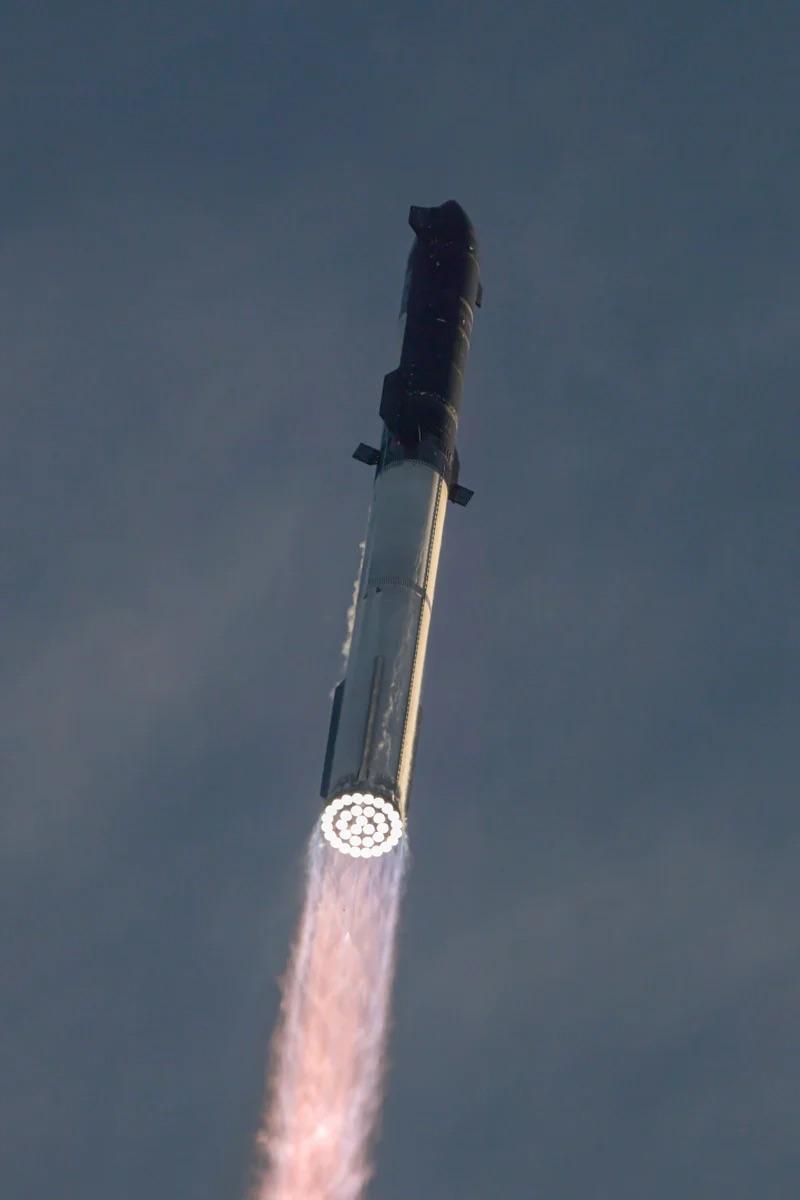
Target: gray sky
203,240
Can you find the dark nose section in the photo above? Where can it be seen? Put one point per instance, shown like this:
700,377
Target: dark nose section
448,223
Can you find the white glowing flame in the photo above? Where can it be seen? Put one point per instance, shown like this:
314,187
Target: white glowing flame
328,1054
361,825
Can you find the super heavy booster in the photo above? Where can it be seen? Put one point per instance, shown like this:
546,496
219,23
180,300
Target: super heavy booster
375,716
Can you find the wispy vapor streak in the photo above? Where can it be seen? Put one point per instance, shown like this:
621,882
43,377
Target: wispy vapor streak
351,612
328,1053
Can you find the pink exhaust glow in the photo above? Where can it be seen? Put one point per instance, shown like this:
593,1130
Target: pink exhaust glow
328,1051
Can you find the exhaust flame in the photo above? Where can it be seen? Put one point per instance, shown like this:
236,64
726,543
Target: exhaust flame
328,1050
366,825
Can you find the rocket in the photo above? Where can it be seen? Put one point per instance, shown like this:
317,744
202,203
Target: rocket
375,715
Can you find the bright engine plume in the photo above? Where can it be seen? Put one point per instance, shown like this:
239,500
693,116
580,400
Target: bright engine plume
364,826
328,1052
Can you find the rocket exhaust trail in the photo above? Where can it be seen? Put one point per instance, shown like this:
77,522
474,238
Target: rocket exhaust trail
328,1052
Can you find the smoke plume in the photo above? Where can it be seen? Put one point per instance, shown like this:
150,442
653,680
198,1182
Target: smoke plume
328,1051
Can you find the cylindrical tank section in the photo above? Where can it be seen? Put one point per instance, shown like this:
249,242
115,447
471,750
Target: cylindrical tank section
374,725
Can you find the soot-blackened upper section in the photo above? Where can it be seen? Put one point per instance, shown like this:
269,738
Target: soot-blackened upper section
421,399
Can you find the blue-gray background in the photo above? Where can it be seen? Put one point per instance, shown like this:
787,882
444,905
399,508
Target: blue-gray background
203,240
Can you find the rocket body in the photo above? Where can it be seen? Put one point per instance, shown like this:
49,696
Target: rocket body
375,715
